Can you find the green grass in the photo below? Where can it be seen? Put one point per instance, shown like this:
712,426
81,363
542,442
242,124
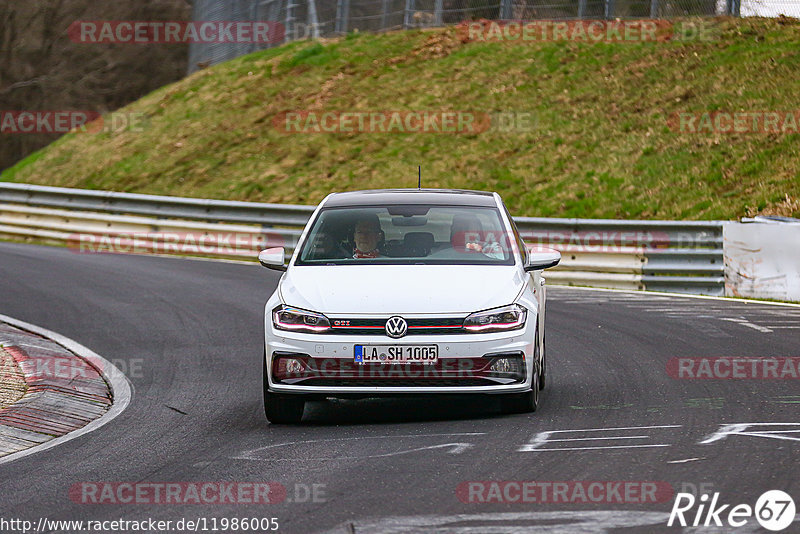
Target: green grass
600,145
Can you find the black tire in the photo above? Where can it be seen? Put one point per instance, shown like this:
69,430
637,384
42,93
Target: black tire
527,402
523,402
281,409
543,367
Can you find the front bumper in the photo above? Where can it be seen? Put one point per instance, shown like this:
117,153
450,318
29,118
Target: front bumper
464,364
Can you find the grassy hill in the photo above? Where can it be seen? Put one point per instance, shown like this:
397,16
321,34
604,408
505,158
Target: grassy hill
600,145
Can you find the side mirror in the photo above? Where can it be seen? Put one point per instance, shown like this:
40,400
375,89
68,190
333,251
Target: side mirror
542,258
272,258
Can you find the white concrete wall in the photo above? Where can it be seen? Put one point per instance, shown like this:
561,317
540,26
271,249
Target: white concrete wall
762,260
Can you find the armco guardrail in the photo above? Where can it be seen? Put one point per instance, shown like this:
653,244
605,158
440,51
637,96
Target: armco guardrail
105,221
683,257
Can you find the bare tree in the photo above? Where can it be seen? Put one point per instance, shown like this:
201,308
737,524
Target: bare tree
42,69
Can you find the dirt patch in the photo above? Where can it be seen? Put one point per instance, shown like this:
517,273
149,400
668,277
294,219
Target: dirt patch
788,207
326,91
437,45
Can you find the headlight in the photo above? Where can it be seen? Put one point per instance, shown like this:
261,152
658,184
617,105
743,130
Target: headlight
497,319
289,318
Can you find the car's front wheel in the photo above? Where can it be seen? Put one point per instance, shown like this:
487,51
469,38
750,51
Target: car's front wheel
281,409
543,372
523,402
526,402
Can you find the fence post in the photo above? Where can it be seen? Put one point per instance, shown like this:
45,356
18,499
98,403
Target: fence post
313,21
609,9
384,14
254,17
653,9
289,21
410,8
437,12
505,10
581,9
342,13
274,11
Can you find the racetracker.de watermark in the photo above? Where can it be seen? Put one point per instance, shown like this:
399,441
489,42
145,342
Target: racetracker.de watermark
403,122
65,121
45,365
174,32
185,243
177,493
214,493
596,241
564,492
382,366
732,368
589,31
735,122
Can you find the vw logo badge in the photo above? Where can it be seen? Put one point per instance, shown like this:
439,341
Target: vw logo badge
396,327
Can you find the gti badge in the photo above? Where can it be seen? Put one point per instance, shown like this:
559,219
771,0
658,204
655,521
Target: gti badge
396,327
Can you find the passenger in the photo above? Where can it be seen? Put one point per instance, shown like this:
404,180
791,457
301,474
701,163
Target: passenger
467,235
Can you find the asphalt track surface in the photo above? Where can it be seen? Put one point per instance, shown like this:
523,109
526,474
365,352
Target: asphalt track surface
190,333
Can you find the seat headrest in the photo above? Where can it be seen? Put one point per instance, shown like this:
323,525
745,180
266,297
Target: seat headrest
419,240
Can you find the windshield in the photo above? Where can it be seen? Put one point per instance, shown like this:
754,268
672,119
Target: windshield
407,234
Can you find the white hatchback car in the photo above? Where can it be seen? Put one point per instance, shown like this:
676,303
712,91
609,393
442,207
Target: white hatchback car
408,291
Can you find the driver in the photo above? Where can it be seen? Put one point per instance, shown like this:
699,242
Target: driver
366,235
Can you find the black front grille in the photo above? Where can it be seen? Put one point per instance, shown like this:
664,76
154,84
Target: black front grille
416,327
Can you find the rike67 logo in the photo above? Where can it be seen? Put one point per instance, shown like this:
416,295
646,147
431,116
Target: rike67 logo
774,510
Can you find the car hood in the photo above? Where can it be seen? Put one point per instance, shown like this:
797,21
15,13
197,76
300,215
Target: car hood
394,289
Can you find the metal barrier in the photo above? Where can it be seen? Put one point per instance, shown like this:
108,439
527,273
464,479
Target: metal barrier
684,257
676,256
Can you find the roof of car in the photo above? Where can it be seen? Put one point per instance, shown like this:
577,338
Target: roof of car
381,197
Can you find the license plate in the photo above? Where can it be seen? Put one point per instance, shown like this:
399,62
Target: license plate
396,354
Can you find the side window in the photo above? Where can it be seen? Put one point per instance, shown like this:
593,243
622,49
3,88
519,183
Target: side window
523,250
